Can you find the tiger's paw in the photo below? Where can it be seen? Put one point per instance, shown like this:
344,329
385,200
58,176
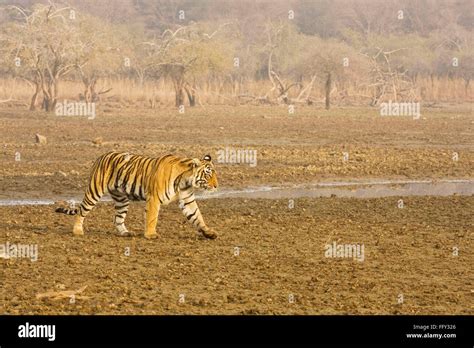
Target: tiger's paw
151,235
78,231
209,234
123,232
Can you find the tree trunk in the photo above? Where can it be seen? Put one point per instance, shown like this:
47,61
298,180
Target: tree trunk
178,83
179,96
46,105
34,98
328,91
86,93
191,96
49,99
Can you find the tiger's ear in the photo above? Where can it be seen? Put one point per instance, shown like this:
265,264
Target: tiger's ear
207,158
196,162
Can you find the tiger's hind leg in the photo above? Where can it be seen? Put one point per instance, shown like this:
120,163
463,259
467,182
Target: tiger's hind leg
90,200
96,189
121,208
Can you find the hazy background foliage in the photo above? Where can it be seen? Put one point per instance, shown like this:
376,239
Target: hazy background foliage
175,52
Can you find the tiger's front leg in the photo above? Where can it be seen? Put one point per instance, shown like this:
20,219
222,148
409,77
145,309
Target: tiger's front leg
191,210
152,210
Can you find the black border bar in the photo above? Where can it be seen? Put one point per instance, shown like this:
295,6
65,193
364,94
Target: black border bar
195,330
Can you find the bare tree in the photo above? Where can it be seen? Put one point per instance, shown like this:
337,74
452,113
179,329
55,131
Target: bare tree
97,56
42,45
186,53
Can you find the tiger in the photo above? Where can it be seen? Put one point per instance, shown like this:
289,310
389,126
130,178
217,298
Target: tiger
158,181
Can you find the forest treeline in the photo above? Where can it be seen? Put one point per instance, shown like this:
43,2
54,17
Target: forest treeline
189,52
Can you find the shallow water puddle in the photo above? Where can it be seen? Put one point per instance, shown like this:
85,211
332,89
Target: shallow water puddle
357,189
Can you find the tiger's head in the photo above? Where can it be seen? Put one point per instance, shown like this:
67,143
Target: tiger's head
205,176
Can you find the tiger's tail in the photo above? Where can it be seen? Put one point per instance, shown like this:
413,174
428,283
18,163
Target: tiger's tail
67,211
